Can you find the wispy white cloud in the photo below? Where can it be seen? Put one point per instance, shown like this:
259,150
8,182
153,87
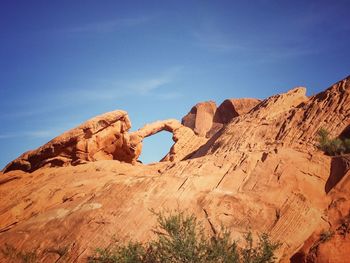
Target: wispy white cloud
148,85
169,96
41,134
157,86
109,25
30,134
121,88
273,44
251,47
20,113
216,41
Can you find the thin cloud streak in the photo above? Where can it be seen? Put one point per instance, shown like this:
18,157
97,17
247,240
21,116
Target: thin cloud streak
169,96
109,26
118,89
20,114
246,47
30,134
147,86
217,42
272,45
156,86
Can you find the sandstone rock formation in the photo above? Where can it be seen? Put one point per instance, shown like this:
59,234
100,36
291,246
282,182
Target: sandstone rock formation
205,119
229,109
100,138
261,171
200,118
185,141
331,241
232,108
106,137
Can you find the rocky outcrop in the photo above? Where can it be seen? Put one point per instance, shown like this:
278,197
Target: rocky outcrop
331,241
261,172
205,119
230,109
101,138
185,140
289,120
200,118
106,137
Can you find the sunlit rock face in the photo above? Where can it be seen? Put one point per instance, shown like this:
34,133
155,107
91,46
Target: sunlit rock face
260,171
101,138
200,118
205,118
106,137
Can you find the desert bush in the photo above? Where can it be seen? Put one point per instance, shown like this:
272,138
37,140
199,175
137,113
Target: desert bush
262,253
332,147
180,238
346,144
326,235
130,253
12,254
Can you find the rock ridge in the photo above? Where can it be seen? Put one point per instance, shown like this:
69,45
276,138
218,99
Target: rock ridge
261,171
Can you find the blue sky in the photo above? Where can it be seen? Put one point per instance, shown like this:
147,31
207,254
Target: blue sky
63,62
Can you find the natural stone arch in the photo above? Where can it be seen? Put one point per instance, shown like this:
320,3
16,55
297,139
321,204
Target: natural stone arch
106,137
185,140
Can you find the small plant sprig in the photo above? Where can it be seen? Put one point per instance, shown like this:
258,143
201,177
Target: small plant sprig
332,147
181,238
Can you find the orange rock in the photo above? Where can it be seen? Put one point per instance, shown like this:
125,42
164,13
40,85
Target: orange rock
331,242
260,172
229,109
200,118
205,119
100,138
185,140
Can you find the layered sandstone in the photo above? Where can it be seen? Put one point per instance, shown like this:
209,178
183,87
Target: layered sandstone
205,118
261,171
106,137
200,118
331,241
100,138
230,109
185,140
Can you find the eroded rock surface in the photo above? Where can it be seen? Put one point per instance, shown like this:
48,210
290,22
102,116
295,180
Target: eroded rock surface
261,171
200,118
228,110
106,137
185,140
330,242
205,118
100,138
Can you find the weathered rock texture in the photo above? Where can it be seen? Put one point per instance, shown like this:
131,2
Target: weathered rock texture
100,138
205,119
185,140
106,137
331,241
261,171
228,110
200,118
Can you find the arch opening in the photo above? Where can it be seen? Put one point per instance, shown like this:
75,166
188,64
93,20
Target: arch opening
155,147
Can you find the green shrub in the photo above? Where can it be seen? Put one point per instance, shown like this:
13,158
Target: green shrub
262,253
326,235
11,253
346,144
180,238
330,146
130,253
